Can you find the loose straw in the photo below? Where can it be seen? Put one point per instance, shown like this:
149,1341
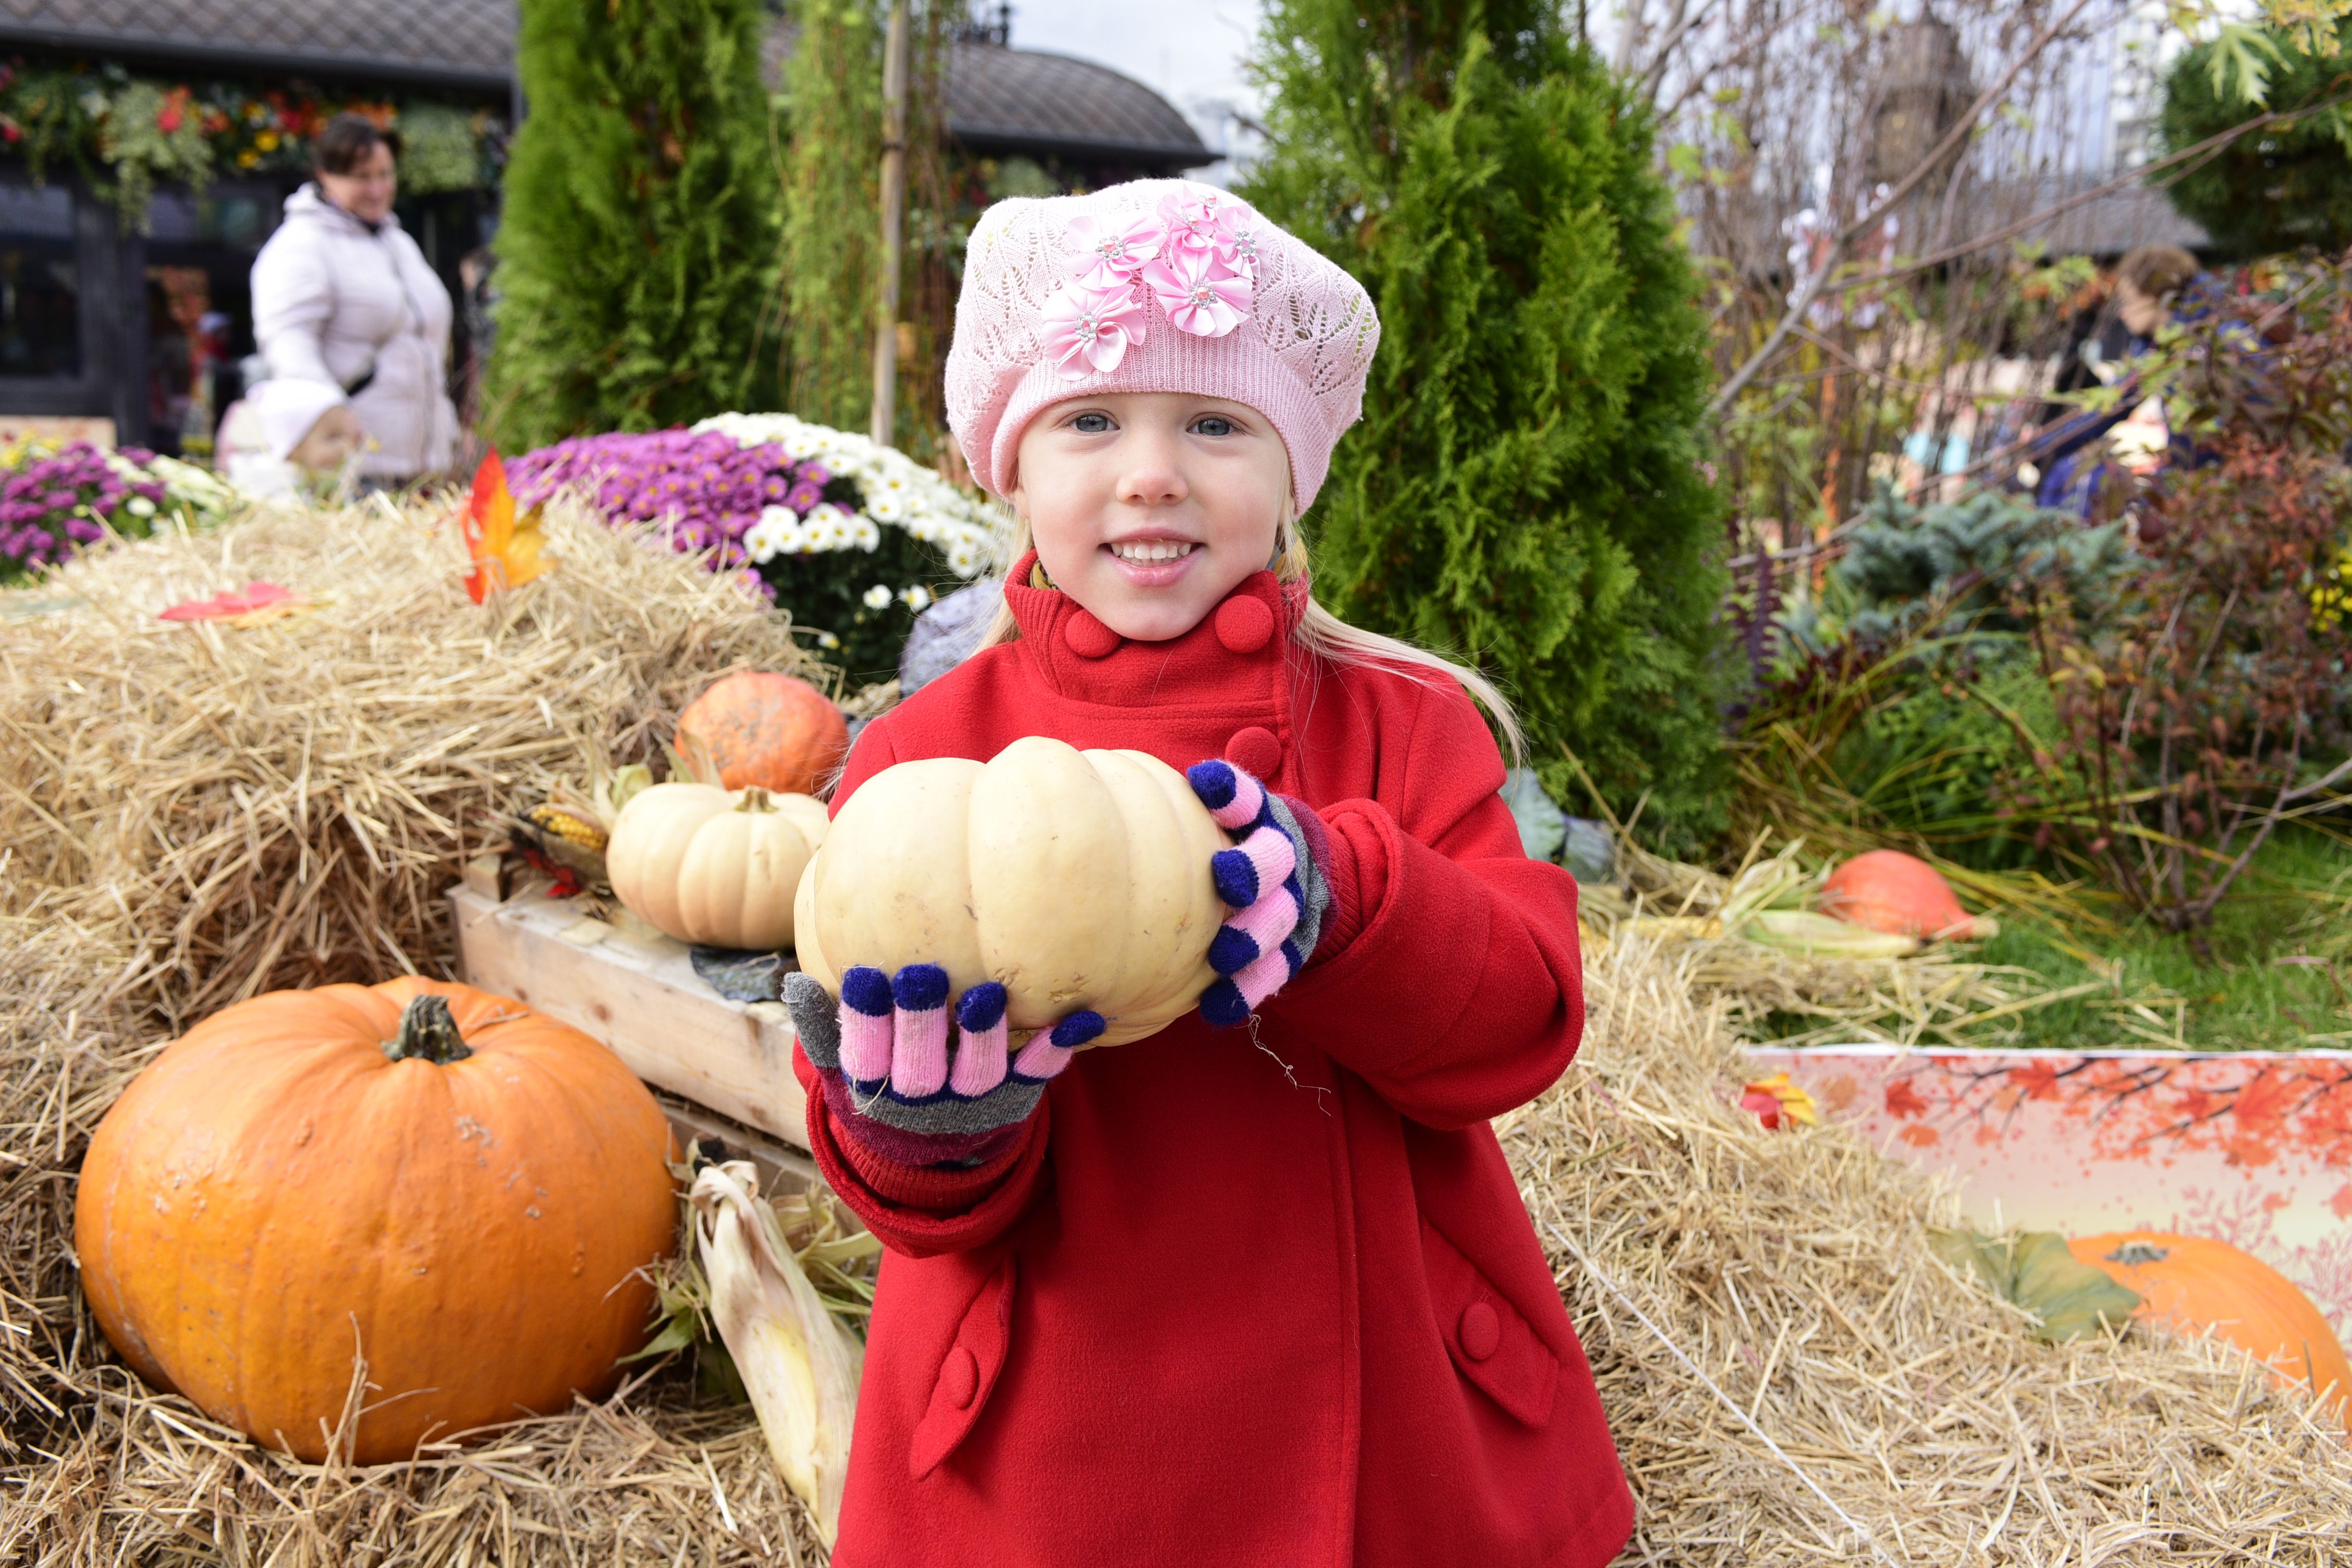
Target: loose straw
1729,1404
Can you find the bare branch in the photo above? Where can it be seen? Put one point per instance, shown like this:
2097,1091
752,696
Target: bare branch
1960,132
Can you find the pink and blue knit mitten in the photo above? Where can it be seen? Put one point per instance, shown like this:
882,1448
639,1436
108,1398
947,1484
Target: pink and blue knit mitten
1275,881
884,1049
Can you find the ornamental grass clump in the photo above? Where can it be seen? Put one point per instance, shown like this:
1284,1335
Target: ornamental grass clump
853,537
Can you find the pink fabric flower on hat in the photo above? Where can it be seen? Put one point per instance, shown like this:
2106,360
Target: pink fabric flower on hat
1202,294
1198,224
1109,258
1089,331
1241,251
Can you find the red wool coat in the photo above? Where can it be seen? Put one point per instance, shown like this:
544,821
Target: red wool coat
1237,1301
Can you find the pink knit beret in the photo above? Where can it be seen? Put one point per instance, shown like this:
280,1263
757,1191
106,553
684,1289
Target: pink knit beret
1153,286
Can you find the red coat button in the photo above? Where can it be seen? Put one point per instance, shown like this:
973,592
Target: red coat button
960,1378
1243,624
1482,1331
1089,638
1254,751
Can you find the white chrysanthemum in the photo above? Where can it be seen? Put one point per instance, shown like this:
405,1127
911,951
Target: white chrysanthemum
896,491
771,534
878,596
915,598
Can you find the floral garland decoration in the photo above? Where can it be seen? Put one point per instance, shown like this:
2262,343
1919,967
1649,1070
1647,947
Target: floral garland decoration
1195,260
140,131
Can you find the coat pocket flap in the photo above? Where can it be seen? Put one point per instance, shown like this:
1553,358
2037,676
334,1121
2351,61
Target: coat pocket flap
1491,1343
967,1373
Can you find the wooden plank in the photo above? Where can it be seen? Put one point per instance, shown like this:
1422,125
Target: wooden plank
783,1168
637,993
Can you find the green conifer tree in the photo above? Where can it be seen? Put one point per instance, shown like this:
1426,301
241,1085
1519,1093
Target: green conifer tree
637,249
2284,186
1526,490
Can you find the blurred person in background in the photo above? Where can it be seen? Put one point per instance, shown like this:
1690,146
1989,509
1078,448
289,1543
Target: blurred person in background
341,296
2076,445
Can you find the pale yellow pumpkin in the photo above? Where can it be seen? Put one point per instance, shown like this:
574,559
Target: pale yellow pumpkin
704,865
1079,879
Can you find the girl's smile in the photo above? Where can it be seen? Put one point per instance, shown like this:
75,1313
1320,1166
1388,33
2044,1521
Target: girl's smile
1151,562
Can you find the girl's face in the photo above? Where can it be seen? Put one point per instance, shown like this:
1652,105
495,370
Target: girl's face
1148,507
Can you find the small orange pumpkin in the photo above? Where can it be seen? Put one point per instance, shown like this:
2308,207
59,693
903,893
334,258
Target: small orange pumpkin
766,731
439,1179
1900,894
2193,1284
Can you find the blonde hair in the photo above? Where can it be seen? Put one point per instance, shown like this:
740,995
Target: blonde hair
1324,636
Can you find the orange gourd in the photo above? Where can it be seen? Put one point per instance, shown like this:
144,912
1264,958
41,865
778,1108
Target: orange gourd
2195,1283
768,732
1901,894
455,1187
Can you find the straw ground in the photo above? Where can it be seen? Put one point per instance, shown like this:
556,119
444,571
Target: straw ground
1721,1274
190,815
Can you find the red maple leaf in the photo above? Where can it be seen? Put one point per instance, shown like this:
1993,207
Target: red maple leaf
1903,1100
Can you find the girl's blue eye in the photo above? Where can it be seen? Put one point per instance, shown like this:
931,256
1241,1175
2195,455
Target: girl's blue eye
1212,425
1091,424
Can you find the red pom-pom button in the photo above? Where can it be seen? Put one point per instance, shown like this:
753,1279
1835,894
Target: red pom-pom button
960,1378
1482,1331
1089,638
1254,751
1244,624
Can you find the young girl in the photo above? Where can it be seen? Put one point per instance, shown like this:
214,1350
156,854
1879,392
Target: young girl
1257,1289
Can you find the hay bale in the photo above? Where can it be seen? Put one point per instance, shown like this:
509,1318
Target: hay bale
67,1047
1793,1271
283,805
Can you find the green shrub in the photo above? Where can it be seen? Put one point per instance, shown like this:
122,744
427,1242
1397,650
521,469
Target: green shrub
1527,489
2286,185
637,248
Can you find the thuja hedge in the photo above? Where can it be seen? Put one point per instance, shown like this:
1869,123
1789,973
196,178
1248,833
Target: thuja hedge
1528,490
638,246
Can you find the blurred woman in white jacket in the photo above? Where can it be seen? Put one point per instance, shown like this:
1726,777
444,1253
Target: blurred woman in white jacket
342,295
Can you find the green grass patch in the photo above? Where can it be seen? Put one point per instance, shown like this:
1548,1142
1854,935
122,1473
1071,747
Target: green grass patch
2279,978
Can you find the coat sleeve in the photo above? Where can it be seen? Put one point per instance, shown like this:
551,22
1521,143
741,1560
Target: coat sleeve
919,1210
1455,989
292,300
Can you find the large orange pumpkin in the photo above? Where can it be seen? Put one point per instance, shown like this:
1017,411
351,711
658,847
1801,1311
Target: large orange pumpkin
2195,1283
769,731
452,1186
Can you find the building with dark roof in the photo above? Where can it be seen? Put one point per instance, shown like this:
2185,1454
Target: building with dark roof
99,319
466,46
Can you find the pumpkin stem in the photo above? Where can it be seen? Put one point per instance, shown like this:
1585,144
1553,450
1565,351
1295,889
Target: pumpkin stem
429,1033
755,799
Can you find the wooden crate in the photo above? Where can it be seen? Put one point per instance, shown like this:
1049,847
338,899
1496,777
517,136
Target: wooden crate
636,991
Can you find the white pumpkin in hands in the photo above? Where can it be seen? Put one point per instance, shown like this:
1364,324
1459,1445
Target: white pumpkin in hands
707,866
1077,879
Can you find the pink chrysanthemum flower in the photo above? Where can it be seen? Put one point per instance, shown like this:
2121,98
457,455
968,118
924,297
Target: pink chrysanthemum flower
1202,294
1109,258
1090,330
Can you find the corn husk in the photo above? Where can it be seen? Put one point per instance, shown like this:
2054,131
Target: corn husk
799,1367
1824,935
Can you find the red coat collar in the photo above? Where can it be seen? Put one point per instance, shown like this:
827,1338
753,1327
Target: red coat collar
1234,650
